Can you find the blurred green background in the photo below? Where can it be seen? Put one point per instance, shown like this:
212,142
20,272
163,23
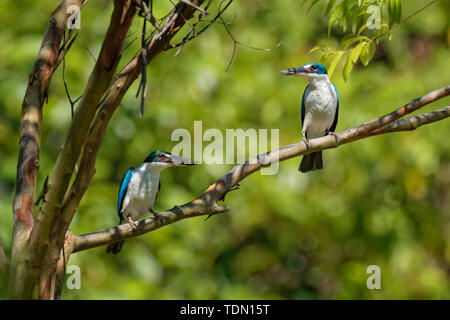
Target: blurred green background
382,201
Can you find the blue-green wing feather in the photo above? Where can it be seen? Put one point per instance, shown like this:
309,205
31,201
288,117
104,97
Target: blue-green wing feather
302,111
333,126
123,190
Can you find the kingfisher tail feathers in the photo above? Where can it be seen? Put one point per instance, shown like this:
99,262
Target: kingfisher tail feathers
310,162
115,247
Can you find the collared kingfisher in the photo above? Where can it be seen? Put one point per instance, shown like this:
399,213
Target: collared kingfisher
139,188
319,110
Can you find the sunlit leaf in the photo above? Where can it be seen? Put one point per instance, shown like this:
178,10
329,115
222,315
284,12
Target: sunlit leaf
356,51
319,48
398,15
367,52
335,60
351,40
335,16
329,6
348,66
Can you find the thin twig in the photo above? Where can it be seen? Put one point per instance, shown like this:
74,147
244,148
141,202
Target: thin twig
236,43
192,31
43,191
201,30
203,12
90,53
66,46
147,12
143,83
72,102
404,20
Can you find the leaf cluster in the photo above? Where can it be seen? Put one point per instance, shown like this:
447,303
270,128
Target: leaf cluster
364,23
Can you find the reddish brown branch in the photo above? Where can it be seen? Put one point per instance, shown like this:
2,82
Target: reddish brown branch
123,81
77,138
48,235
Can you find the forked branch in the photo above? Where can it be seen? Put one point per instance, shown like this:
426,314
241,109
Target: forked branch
207,203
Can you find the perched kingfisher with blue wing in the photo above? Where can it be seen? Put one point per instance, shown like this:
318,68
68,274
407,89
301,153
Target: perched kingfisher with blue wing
139,188
319,111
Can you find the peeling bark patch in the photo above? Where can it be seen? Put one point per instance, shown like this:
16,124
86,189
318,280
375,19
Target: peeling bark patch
25,212
55,225
28,169
46,293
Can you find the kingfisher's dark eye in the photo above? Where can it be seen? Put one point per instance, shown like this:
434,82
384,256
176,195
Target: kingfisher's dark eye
314,67
160,156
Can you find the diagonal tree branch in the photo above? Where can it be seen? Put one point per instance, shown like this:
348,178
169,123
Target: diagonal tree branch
56,212
206,203
194,34
44,237
147,13
412,123
112,100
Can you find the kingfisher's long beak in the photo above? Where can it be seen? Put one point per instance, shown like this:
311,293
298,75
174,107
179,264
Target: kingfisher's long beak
182,162
299,71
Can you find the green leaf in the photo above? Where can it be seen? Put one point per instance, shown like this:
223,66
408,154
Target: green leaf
356,51
348,66
337,56
314,2
354,25
363,27
316,48
319,48
351,39
344,23
398,15
367,52
334,17
329,6
392,10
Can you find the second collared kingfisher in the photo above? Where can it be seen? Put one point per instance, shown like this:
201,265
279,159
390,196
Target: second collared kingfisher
319,110
139,188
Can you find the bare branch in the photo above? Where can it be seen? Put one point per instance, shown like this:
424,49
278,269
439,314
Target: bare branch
65,47
61,265
48,224
196,34
110,103
90,53
143,83
206,204
236,43
148,12
203,12
412,123
192,31
43,191
72,102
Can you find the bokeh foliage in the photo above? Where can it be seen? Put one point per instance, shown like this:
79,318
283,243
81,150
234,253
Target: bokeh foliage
382,201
